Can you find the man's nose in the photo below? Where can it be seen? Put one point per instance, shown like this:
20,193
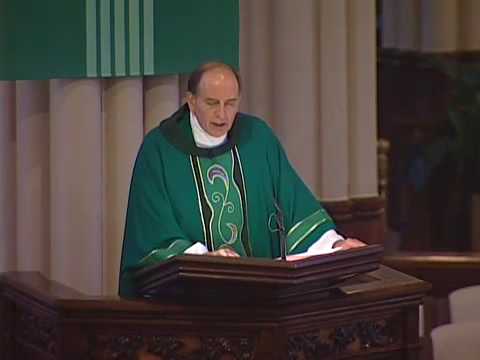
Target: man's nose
221,111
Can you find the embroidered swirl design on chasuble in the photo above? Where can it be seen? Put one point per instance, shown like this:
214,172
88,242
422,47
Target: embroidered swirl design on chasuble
224,203
221,201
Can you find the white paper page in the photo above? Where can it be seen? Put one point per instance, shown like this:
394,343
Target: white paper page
306,254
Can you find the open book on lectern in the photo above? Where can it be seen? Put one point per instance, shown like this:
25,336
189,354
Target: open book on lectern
254,277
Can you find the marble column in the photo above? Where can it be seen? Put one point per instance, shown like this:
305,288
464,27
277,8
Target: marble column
407,23
295,90
362,103
256,58
333,104
469,32
439,29
389,23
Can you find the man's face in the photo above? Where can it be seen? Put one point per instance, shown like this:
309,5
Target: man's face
216,102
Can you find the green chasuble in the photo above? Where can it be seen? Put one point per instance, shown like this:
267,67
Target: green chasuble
229,195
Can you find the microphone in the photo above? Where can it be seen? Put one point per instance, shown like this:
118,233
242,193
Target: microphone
281,231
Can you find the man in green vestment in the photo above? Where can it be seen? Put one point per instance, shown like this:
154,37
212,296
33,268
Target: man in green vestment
210,180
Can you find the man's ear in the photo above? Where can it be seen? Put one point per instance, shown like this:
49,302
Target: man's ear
191,100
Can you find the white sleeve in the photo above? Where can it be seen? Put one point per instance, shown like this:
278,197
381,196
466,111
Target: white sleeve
324,244
196,249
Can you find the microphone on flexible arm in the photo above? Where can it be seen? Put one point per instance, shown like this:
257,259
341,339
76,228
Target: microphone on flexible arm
281,231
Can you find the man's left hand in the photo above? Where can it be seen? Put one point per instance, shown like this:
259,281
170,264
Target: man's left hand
224,251
349,243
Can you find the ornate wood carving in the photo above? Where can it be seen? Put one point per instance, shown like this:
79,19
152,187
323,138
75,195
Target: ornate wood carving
5,326
358,337
38,332
41,318
132,347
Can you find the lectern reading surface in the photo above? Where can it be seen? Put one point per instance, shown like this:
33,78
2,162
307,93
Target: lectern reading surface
237,279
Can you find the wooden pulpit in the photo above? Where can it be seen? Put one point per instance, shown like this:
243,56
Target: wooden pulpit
338,306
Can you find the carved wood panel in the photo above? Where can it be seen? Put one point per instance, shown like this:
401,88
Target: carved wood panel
356,338
36,332
102,329
5,327
169,347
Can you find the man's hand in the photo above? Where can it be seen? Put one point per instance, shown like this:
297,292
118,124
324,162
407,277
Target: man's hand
224,251
348,244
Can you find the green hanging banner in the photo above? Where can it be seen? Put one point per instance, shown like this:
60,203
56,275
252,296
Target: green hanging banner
112,38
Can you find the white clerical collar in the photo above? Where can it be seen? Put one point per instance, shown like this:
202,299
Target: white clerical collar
201,137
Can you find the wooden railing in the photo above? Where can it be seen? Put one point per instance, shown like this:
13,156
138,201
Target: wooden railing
446,272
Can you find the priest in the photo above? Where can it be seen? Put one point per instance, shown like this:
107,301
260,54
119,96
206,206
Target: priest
213,181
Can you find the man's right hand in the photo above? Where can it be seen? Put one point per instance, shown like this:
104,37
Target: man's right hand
224,251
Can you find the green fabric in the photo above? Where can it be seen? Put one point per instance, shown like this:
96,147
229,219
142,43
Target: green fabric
164,206
44,39
176,247
102,38
305,227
